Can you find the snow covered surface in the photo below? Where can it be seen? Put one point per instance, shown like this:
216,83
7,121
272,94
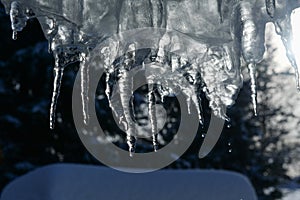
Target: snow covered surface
83,182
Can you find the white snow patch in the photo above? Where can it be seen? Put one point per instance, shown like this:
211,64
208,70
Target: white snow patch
79,182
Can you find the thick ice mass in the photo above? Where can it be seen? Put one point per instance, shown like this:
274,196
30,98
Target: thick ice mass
200,48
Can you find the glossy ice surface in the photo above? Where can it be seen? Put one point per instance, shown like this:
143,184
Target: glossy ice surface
206,39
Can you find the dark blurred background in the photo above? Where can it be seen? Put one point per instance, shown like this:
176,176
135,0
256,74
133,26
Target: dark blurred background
249,145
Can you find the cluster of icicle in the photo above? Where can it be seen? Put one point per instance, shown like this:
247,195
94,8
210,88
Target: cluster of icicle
219,33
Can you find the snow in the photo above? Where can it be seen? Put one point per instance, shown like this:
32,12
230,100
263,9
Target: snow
82,182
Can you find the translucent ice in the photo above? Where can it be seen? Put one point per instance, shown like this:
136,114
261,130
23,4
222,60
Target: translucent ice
17,17
152,116
58,74
252,72
84,70
200,49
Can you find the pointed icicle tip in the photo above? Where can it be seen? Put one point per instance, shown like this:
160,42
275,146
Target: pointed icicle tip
297,77
155,142
107,89
15,35
51,125
155,148
131,140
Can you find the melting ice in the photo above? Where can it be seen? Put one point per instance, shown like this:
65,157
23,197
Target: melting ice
218,33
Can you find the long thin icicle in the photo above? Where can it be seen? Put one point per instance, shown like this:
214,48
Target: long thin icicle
15,35
252,41
125,84
252,72
107,88
132,106
58,74
152,117
197,101
199,110
109,70
84,71
284,29
62,59
191,97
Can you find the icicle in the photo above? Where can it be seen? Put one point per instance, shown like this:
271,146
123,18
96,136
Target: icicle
58,74
132,107
162,97
270,6
163,93
187,91
192,98
18,18
293,62
125,84
253,40
84,72
107,89
252,72
109,69
62,59
284,29
253,34
194,90
188,102
126,90
152,117
197,102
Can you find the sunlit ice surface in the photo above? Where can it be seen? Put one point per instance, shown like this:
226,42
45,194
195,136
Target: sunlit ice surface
218,66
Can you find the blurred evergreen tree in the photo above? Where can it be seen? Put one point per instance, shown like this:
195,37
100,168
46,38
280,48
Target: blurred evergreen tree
26,141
